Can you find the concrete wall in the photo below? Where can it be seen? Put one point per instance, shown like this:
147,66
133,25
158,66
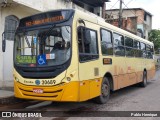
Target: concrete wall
140,15
129,24
1,54
56,4
98,10
6,59
34,4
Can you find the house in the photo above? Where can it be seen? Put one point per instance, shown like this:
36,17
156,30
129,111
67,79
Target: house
135,20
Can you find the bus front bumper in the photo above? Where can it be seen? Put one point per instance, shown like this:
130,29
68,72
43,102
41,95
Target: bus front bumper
61,92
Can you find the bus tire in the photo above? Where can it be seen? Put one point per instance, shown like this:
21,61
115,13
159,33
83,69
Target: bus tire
144,82
105,92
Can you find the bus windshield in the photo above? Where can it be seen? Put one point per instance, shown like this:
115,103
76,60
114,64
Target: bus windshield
43,47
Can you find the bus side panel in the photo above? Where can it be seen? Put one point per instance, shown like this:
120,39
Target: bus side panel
95,86
119,72
90,85
71,92
150,69
131,72
139,76
115,82
84,90
90,89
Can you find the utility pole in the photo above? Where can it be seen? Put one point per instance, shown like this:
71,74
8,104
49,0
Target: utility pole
120,15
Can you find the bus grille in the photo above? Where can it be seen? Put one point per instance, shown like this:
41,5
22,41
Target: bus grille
53,92
44,94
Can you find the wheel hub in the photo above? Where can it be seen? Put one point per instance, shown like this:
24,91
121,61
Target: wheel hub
105,90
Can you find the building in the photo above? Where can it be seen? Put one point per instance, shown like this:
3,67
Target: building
135,20
13,10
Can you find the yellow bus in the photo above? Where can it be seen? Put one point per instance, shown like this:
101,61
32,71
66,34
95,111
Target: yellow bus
68,55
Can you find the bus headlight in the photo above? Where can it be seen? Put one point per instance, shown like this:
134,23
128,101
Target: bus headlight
68,79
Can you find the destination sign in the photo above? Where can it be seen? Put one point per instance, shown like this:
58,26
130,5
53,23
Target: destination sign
46,18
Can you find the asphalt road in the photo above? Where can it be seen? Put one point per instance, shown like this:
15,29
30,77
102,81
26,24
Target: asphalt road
133,98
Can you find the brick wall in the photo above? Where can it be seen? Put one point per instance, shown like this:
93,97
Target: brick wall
129,24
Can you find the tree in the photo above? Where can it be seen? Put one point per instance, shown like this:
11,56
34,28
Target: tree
154,36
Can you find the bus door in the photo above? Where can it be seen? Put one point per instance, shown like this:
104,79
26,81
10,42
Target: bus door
88,60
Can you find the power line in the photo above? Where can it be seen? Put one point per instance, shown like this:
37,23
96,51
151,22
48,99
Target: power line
114,4
132,11
129,2
111,6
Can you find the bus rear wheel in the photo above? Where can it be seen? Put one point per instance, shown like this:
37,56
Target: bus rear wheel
105,92
144,82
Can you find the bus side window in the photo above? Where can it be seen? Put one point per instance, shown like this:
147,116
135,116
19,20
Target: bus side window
143,50
119,44
87,44
137,47
106,42
129,47
149,52
80,41
152,51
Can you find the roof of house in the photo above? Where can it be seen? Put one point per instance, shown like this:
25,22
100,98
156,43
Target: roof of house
131,9
94,3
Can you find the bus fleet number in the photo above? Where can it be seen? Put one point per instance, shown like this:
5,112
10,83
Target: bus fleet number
48,82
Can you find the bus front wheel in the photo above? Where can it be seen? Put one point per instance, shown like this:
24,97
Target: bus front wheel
105,92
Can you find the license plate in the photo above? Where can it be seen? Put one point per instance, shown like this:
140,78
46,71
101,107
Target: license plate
38,90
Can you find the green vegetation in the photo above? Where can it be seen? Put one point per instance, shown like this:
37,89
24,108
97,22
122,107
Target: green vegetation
154,36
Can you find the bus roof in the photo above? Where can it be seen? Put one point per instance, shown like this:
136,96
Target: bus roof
88,17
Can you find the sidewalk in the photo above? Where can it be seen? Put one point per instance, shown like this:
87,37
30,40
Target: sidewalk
7,96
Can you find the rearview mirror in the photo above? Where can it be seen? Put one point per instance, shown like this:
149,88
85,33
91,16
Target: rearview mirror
3,42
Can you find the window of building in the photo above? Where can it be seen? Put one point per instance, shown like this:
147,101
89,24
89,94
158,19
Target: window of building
119,44
87,43
106,42
91,9
145,16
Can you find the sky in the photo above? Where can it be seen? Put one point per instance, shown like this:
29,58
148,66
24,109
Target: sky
152,6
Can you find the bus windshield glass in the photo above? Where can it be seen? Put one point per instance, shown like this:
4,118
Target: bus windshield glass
43,47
